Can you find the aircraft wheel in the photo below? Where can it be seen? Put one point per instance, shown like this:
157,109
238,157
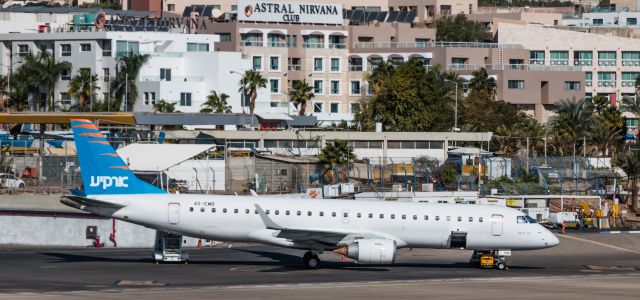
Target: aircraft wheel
311,260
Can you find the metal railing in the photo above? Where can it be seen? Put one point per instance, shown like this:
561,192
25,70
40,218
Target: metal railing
607,62
277,44
545,68
559,62
312,45
295,67
606,83
630,62
440,44
628,83
338,45
251,43
355,68
157,54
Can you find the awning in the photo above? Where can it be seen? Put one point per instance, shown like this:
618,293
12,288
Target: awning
159,157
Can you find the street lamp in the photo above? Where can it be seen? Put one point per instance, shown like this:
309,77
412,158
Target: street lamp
10,68
244,84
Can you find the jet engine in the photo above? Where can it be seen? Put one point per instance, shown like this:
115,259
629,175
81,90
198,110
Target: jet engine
370,251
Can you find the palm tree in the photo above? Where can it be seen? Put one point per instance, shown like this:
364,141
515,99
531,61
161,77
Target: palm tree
84,86
481,82
336,154
126,78
630,163
572,121
531,128
380,72
49,74
26,82
4,83
252,81
165,107
631,105
300,94
216,103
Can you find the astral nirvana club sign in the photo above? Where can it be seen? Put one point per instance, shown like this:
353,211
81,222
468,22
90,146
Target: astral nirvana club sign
289,12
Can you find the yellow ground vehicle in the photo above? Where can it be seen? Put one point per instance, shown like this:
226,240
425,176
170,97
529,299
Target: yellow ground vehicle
490,259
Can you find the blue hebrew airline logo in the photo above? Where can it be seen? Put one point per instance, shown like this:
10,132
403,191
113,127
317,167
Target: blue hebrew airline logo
109,181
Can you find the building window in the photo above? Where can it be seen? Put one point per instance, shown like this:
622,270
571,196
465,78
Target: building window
572,85
65,50
149,98
196,47
23,50
317,107
559,57
317,87
292,41
335,87
354,108
275,85
165,74
515,84
257,63
106,48
85,47
65,75
106,72
458,60
598,21
65,99
606,79
274,63
606,58
225,37
335,64
536,57
334,107
632,21
355,88
185,99
445,10
318,64
171,7
124,47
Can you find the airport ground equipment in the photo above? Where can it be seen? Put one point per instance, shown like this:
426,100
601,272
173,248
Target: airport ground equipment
490,259
168,248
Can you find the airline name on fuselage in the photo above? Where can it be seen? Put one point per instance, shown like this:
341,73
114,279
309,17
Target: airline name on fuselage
109,181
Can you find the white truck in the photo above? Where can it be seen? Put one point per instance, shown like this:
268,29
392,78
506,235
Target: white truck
569,218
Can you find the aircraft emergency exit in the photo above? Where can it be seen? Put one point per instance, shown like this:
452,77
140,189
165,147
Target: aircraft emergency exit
368,231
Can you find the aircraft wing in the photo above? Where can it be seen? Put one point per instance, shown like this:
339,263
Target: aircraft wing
312,236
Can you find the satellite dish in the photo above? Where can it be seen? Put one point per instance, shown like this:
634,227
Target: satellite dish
216,13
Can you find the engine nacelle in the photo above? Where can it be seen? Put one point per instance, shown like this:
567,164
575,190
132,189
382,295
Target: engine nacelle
370,251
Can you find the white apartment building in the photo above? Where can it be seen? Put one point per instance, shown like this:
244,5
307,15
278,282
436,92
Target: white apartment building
183,68
619,19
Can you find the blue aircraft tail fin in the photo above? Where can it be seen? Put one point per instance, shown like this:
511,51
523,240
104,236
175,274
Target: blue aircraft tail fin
103,170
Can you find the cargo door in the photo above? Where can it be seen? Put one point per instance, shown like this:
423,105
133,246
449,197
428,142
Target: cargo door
496,224
174,213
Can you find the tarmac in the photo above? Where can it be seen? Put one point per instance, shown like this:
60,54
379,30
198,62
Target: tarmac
590,265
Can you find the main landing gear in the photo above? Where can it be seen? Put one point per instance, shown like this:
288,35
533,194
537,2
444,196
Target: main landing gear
485,259
311,260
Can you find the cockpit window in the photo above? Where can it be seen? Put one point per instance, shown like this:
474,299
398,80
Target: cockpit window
521,219
530,219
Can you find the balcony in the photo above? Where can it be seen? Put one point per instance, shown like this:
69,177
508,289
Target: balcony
582,62
588,82
251,43
356,68
628,83
277,44
295,67
312,45
559,62
630,62
544,68
606,62
606,83
337,46
539,61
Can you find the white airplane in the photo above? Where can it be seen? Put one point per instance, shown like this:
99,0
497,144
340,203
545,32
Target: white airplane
369,232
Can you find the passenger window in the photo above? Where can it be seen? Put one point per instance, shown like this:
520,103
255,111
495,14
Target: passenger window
345,215
266,212
459,219
437,218
298,213
224,210
333,214
201,209
287,212
470,219
381,216
521,220
235,211
393,216
415,217
370,216
246,211
255,211
190,208
277,212
322,214
404,217
309,213
426,218
480,219
359,215
449,218
213,209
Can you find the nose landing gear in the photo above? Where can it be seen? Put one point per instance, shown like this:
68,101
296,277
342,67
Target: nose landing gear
485,259
311,260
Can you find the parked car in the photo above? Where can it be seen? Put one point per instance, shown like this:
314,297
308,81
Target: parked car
10,181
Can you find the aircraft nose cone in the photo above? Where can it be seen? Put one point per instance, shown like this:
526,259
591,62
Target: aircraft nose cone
551,239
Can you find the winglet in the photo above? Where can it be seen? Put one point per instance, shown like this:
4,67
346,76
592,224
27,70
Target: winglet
270,224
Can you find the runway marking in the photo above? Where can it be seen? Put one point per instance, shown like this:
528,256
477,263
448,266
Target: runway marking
598,243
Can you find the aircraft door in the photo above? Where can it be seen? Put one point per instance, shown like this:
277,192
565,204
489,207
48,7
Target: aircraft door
496,224
174,213
345,216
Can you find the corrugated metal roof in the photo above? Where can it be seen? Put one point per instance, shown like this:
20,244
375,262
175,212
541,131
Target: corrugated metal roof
159,157
303,121
74,10
194,119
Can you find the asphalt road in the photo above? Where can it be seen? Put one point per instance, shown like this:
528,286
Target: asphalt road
583,264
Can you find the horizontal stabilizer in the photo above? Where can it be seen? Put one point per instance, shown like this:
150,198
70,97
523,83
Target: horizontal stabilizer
84,201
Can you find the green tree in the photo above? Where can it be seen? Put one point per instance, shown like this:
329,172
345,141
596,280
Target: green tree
607,116
571,122
49,73
4,90
460,29
216,103
630,163
378,74
479,104
24,83
83,86
125,81
336,154
482,82
631,105
165,107
252,81
300,94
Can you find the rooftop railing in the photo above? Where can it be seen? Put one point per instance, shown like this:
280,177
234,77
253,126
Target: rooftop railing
442,44
461,67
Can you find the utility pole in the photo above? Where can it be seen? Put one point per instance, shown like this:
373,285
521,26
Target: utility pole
527,154
584,147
